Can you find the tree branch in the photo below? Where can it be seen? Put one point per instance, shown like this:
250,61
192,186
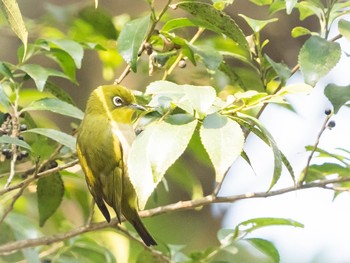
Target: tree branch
42,174
179,206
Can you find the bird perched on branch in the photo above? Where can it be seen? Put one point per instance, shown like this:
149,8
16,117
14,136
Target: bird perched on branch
103,143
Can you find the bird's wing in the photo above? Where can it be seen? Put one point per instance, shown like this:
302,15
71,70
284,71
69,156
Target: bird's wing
93,183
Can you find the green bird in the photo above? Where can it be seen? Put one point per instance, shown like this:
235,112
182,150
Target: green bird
103,144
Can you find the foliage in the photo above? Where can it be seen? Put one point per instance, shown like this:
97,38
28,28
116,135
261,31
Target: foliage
207,118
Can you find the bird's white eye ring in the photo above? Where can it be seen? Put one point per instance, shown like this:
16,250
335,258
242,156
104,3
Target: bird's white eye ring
118,101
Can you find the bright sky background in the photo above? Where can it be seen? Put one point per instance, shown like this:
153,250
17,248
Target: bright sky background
326,234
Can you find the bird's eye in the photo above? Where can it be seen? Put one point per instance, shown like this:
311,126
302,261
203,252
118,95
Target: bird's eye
118,101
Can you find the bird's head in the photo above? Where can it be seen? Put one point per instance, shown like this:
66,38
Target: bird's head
115,101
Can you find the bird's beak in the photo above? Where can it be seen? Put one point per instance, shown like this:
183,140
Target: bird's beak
137,107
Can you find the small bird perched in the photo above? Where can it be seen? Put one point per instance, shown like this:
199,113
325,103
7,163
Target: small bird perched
103,143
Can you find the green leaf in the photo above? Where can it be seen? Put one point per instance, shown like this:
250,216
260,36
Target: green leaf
5,70
57,106
344,28
58,136
65,61
319,172
187,97
222,23
98,22
155,150
300,31
257,25
4,99
131,38
266,247
74,49
223,140
221,4
176,23
279,158
40,74
201,98
337,95
281,69
295,88
317,57
50,190
15,141
210,56
14,17
290,4
58,92
7,236
251,225
261,2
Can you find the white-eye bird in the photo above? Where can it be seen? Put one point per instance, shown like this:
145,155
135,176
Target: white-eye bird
103,143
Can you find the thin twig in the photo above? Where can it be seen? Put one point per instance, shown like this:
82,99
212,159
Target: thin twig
127,69
180,56
179,206
42,174
306,170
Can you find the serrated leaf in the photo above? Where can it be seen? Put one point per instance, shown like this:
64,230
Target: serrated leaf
257,25
266,136
57,106
131,38
317,57
50,190
337,95
266,247
222,23
40,74
58,136
344,28
223,139
155,150
319,172
74,49
15,141
14,17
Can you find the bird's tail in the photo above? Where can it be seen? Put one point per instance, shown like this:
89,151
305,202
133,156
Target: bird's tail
143,232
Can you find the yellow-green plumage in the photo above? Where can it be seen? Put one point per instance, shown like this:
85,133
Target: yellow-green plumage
103,143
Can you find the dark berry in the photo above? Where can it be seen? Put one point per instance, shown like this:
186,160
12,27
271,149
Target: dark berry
5,151
19,157
24,153
7,116
328,111
331,124
23,127
53,164
20,137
